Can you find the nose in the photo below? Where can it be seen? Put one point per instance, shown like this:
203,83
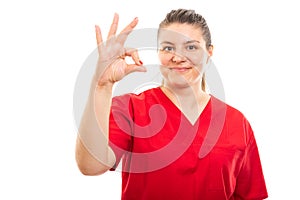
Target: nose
178,58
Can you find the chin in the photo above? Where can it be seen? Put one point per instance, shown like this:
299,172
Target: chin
182,81
179,84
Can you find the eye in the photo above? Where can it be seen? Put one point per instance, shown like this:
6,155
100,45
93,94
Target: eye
191,47
168,49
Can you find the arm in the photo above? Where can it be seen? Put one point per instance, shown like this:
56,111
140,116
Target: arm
250,181
93,154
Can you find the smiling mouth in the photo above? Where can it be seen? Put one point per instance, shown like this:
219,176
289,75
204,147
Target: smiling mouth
180,69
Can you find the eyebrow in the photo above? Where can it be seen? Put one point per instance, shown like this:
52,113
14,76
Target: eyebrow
187,42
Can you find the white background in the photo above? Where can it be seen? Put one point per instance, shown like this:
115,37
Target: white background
43,45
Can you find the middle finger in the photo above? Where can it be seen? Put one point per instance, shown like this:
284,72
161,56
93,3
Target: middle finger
113,26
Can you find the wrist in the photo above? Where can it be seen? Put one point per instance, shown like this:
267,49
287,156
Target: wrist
100,84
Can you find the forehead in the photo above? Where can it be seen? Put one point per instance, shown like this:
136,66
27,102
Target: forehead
180,33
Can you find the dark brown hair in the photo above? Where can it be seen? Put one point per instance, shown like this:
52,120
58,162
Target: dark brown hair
189,17
185,16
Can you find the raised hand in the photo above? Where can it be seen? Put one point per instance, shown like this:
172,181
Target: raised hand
112,66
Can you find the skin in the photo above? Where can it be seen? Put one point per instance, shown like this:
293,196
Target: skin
183,56
182,72
93,154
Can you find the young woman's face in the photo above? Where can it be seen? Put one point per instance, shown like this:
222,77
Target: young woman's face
182,53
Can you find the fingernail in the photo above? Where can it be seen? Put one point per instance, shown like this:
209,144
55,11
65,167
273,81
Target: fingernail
141,62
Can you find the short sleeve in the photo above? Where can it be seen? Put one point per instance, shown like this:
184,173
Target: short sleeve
250,181
120,126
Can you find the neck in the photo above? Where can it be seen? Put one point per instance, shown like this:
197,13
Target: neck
190,96
190,100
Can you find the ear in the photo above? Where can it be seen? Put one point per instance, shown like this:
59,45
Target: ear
210,53
210,50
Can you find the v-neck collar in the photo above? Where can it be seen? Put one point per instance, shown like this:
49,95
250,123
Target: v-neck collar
170,103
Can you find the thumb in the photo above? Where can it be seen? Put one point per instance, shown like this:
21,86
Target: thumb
135,68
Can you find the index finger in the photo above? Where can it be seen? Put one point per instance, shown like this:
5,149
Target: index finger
113,26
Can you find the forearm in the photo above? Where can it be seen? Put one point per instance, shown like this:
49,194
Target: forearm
93,153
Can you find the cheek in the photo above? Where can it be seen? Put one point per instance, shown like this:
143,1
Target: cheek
196,59
164,60
163,71
199,61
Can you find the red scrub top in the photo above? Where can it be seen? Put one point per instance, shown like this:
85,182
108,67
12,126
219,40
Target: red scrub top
166,157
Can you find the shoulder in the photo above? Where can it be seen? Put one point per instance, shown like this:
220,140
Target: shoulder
221,106
144,96
132,102
135,106
236,125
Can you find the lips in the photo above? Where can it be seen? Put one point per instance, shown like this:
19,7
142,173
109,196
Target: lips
180,69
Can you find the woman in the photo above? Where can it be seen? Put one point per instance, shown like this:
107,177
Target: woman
176,141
